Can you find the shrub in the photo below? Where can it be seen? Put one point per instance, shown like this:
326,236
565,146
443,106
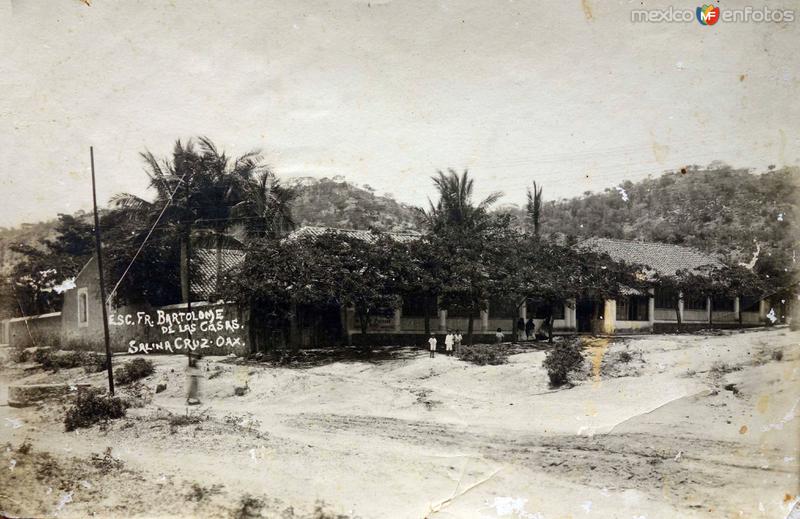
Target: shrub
561,360
106,463
45,357
19,355
777,355
484,354
134,370
25,447
248,508
91,407
54,360
625,357
180,420
722,368
94,362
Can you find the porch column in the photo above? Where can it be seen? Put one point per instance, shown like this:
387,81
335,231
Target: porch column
570,311
680,305
485,319
708,309
442,320
762,310
737,308
651,307
609,316
523,311
397,315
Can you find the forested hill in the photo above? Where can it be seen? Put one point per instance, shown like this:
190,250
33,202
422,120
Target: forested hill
329,202
717,209
334,202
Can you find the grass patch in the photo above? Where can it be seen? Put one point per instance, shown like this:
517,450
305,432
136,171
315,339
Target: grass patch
720,368
484,354
198,492
106,463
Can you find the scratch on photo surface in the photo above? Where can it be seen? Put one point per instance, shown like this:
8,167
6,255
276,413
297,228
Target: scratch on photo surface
443,504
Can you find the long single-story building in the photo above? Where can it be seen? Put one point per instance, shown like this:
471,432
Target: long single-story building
653,311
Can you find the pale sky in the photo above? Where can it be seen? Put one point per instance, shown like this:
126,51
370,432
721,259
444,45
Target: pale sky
386,92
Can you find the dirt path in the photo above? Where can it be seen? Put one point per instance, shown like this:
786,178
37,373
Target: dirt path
658,436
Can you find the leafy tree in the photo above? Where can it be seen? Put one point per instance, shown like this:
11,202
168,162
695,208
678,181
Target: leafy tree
36,283
552,274
332,269
477,264
417,270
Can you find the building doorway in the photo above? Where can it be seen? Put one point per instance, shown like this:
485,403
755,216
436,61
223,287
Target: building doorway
585,313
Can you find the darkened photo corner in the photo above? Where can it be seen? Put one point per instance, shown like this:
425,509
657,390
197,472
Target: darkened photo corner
388,259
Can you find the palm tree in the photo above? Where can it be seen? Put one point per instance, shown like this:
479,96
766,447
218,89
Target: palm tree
455,207
265,209
534,207
458,224
172,210
200,196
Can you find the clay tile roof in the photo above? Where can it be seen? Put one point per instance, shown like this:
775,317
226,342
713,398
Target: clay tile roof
368,236
664,258
205,261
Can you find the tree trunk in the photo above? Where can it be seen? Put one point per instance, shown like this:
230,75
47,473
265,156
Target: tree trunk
678,313
739,317
294,327
426,308
184,266
363,321
470,323
550,324
710,312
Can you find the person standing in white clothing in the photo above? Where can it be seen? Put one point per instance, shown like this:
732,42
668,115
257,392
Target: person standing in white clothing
432,343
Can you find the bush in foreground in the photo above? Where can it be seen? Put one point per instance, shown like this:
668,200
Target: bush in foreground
484,354
92,407
561,360
133,370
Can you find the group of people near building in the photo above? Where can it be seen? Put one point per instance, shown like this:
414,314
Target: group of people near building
451,340
526,331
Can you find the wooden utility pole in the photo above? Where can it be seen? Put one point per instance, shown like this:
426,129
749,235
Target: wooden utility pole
99,252
189,265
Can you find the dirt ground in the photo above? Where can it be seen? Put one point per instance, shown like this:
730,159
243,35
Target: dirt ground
656,426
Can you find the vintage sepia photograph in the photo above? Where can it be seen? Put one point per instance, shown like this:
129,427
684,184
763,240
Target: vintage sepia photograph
412,259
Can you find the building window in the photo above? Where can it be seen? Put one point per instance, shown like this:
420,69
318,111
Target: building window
83,307
695,303
665,298
722,304
503,309
749,304
414,306
633,308
538,310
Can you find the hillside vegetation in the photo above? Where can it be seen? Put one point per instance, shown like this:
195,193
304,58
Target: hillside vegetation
717,209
